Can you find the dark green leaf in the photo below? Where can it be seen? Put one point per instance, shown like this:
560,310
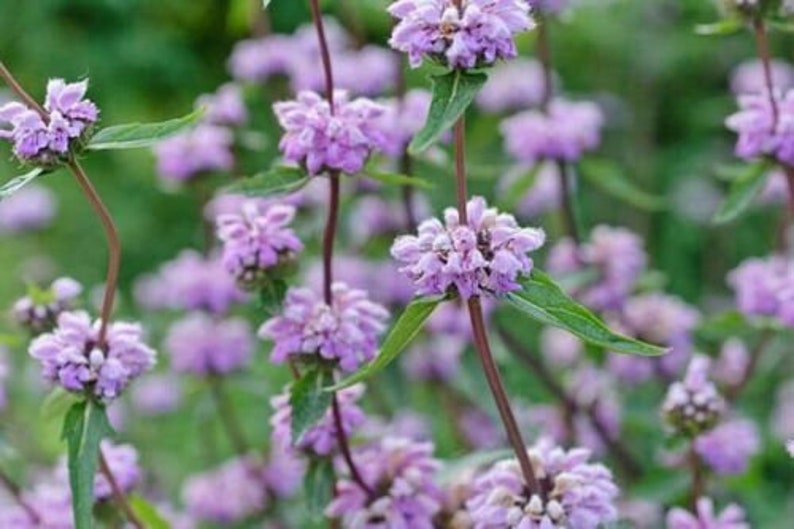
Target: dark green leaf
309,400
318,486
453,92
742,191
405,329
14,185
137,135
544,301
608,177
84,426
272,295
58,403
148,513
397,179
277,181
726,26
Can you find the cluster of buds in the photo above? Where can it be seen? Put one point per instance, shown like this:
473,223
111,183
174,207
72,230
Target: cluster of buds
693,405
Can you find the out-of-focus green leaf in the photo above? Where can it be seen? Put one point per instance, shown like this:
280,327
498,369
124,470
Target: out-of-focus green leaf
397,179
15,184
402,333
84,426
611,179
57,403
318,486
742,191
309,400
139,135
148,513
453,92
543,300
726,26
519,188
277,181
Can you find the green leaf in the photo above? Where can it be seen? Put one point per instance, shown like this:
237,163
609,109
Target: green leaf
726,26
608,177
543,300
277,181
404,331
272,295
396,179
309,400
453,92
15,184
318,486
58,403
84,426
742,191
138,135
147,513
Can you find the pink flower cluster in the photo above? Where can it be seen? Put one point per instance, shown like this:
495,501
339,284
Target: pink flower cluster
760,132
704,517
323,140
39,312
346,331
486,256
475,34
47,139
765,287
70,356
694,405
203,345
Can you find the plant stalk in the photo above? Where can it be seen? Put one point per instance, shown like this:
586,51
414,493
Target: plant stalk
16,494
118,494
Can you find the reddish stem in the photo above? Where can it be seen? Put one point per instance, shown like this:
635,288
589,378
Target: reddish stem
329,236
16,495
762,42
26,98
544,56
344,447
325,54
733,392
118,494
698,476
500,396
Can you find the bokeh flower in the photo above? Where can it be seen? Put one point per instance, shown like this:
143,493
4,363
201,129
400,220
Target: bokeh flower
732,517
39,310
693,406
204,149
31,208
727,448
202,345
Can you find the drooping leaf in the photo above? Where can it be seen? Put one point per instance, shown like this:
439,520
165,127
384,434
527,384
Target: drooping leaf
318,486
147,513
138,135
309,400
277,181
401,334
453,92
610,179
15,184
84,426
397,179
726,26
544,301
742,191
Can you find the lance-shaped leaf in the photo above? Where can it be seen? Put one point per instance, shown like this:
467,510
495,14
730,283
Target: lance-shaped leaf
544,301
743,190
138,135
396,179
610,179
318,486
84,426
309,400
727,26
453,92
15,184
402,333
277,181
148,513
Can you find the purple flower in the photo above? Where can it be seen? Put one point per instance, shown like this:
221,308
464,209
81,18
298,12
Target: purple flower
559,347
705,517
402,119
501,92
346,331
477,34
204,149
480,430
762,286
693,406
580,494
732,363
748,77
260,59
616,254
368,71
123,463
39,310
46,140
284,472
256,239
400,472
322,140
31,208
728,448
52,503
202,345
157,394
565,131
320,439
227,494
436,359
70,355
485,256
190,282
759,133
225,107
